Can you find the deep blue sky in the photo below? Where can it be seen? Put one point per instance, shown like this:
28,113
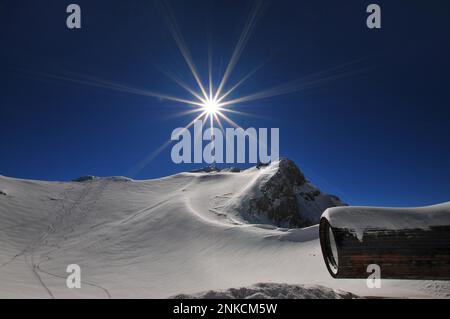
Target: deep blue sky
381,137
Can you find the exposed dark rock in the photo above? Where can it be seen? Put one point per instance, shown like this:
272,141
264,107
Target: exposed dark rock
206,169
262,165
119,179
232,170
287,199
271,291
84,178
211,169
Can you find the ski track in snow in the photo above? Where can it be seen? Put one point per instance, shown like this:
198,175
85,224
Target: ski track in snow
160,238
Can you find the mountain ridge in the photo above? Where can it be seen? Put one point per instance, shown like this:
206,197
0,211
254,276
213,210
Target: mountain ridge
158,238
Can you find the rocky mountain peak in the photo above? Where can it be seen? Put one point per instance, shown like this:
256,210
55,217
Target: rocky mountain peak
286,198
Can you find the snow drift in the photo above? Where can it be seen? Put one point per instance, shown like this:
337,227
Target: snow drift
272,291
362,219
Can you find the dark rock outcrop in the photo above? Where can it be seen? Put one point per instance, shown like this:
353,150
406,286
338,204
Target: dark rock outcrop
287,199
84,178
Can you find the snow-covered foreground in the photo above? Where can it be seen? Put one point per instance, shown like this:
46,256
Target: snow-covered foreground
158,238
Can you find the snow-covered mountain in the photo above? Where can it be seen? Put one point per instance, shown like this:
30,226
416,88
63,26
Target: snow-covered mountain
183,234
281,196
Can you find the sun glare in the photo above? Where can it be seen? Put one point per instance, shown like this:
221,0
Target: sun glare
211,106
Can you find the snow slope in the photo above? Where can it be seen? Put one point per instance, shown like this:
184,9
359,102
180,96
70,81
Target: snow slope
157,238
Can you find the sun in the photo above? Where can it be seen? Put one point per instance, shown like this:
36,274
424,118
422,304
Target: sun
211,106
